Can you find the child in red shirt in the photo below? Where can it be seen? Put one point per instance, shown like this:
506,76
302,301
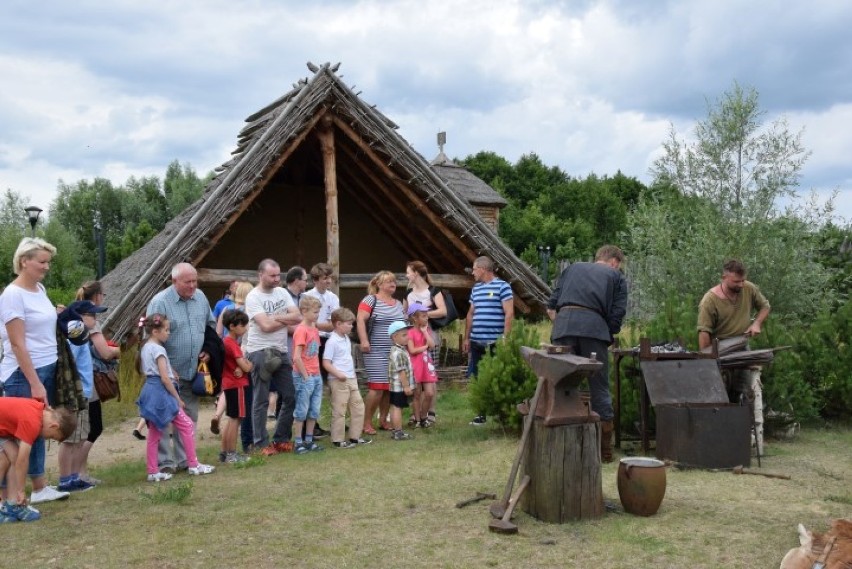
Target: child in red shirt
234,382
22,421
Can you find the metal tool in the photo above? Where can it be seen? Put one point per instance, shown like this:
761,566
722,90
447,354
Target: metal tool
741,470
504,524
478,498
498,508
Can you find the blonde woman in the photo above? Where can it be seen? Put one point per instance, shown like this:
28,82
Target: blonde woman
29,345
377,311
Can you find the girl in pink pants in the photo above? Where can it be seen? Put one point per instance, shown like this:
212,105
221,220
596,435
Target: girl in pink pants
159,402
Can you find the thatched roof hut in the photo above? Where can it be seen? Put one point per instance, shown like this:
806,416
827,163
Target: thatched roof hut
319,174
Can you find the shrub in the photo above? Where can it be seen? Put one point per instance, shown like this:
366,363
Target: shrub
815,377
504,378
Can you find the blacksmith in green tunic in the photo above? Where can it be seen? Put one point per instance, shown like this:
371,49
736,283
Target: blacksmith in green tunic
734,307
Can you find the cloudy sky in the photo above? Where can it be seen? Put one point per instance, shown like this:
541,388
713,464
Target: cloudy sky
121,88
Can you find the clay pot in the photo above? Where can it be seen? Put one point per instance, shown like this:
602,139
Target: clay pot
641,485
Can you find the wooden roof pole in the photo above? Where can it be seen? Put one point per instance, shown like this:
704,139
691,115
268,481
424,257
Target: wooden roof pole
332,227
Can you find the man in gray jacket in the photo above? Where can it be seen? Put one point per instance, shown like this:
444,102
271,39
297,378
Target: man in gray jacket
587,307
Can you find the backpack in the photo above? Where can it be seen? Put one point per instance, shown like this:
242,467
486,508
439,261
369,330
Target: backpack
452,313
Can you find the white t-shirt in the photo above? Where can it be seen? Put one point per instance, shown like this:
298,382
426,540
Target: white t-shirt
39,316
259,302
338,350
330,303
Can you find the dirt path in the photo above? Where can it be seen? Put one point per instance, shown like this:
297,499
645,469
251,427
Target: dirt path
117,444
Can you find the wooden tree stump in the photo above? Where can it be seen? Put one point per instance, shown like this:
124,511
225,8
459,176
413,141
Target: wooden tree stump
564,465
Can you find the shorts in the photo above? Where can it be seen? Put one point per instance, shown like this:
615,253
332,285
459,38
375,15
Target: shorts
308,396
235,402
378,386
399,399
81,433
4,440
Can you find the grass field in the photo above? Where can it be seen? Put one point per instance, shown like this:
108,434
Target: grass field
390,505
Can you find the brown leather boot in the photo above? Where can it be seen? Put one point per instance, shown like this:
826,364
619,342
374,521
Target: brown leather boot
606,441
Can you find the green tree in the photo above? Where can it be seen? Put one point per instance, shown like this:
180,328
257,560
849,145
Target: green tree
181,187
718,197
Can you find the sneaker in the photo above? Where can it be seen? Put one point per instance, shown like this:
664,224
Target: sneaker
478,421
19,513
412,422
235,458
319,432
214,425
360,441
48,494
138,435
313,447
76,485
283,447
269,450
401,436
91,480
168,470
200,469
344,444
223,456
301,449
159,477
6,518
426,424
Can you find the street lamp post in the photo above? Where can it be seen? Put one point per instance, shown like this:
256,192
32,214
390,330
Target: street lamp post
32,215
544,258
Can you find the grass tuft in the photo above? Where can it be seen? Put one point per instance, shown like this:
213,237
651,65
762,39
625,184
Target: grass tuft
844,499
251,462
169,493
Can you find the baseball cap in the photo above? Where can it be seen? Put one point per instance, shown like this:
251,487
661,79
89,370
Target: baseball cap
86,307
397,326
415,307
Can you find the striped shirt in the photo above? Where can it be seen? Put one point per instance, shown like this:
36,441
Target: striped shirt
488,317
383,315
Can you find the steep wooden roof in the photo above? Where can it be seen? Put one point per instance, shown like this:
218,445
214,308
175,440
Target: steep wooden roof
466,184
371,156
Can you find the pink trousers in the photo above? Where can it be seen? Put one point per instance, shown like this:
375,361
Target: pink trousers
185,429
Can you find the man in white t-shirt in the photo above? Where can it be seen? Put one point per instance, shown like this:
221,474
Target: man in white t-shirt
270,309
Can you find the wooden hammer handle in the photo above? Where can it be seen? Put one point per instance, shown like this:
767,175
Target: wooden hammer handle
741,470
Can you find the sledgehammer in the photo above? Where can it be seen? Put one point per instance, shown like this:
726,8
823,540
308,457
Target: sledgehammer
741,470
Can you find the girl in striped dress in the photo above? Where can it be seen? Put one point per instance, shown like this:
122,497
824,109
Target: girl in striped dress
376,312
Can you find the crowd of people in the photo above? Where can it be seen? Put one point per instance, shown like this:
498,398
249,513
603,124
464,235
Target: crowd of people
277,350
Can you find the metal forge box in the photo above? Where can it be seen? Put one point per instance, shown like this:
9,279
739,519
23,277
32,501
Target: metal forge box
696,425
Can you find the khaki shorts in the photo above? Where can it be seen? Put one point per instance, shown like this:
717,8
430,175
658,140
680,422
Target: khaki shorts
81,433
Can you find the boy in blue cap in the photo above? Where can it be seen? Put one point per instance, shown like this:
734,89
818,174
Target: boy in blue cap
399,376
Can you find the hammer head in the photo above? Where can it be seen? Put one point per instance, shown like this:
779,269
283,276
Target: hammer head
501,526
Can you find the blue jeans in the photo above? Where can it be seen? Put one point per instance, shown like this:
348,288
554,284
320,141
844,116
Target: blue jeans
18,386
308,397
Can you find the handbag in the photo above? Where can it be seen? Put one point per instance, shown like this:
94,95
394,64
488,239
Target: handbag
107,386
452,314
203,383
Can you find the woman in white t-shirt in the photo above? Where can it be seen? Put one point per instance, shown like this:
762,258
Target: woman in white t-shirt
29,345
